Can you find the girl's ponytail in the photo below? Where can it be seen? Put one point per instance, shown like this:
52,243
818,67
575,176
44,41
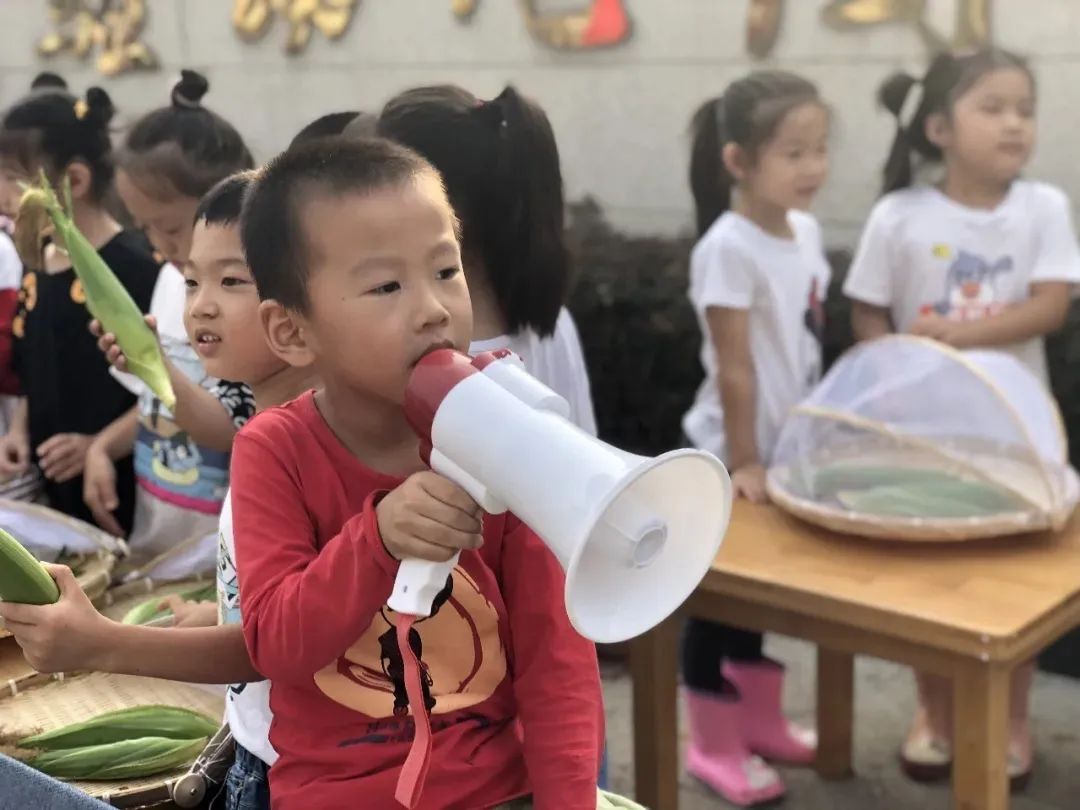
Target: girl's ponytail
532,239
893,95
709,180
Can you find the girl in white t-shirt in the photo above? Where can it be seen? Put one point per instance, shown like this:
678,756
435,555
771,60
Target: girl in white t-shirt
758,279
500,164
982,258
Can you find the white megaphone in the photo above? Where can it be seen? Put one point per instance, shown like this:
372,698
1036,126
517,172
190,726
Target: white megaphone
635,535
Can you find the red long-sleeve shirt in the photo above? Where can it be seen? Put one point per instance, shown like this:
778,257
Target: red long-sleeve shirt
518,706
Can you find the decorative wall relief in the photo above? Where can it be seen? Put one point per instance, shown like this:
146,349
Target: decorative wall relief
971,30
109,28
602,24
252,19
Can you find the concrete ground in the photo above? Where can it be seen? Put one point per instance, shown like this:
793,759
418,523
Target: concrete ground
884,700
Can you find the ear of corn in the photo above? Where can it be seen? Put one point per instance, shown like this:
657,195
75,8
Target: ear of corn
128,759
106,298
143,721
147,611
22,578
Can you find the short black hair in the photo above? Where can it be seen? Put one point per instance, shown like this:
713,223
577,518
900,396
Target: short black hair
183,148
223,204
274,241
51,128
325,126
500,164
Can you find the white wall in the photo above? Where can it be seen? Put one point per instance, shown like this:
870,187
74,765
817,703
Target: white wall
620,114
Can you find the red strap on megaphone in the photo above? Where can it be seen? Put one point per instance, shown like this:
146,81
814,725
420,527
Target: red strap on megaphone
414,772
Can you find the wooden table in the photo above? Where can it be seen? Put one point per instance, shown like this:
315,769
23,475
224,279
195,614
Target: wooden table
968,611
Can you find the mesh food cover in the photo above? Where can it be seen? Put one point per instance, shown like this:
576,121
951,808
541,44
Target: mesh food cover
908,439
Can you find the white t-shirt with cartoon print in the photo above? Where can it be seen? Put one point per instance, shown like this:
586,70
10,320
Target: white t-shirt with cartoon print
923,252
783,284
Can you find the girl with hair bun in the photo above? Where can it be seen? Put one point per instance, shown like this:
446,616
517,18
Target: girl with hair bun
168,160
68,396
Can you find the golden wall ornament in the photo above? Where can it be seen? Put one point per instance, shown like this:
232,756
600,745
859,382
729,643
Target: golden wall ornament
110,28
252,19
972,28
602,24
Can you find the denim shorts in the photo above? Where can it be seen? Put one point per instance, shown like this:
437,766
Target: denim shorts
247,786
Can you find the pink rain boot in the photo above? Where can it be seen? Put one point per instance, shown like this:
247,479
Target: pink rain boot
766,730
718,757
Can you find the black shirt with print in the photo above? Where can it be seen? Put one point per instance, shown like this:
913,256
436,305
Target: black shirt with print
64,376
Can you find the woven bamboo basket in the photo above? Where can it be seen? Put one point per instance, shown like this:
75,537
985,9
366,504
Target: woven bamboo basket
909,440
72,700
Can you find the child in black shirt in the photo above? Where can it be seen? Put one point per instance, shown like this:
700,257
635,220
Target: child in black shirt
68,393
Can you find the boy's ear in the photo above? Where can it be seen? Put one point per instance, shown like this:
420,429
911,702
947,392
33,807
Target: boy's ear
285,334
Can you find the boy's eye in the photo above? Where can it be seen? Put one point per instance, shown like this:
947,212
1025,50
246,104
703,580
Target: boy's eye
232,281
190,283
448,273
386,289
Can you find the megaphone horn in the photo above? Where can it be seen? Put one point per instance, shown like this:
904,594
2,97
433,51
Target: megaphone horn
634,534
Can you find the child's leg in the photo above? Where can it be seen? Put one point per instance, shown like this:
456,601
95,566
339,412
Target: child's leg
1021,747
927,751
247,786
717,752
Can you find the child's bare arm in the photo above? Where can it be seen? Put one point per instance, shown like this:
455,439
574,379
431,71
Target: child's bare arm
15,445
71,635
1043,312
869,322
556,677
729,330
99,474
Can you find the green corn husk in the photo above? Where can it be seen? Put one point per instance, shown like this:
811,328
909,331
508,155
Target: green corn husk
129,759
848,476
932,499
106,298
147,611
22,578
167,722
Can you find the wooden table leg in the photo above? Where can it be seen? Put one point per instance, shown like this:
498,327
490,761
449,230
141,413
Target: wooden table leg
981,730
654,667
835,713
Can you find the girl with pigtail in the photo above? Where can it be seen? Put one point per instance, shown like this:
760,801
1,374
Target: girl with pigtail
979,258
758,278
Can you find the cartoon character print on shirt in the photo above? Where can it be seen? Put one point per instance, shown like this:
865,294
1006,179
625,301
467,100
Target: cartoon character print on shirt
970,292
463,659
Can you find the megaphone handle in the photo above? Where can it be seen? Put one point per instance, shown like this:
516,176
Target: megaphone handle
417,584
477,491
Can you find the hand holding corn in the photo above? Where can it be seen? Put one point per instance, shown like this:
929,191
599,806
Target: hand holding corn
111,348
62,637
106,298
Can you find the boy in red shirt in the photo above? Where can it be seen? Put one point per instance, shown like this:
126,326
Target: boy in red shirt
354,249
